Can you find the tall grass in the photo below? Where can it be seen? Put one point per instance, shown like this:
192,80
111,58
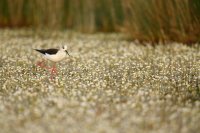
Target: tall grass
93,15
163,20
83,15
146,20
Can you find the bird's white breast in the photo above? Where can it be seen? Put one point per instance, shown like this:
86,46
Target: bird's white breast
60,55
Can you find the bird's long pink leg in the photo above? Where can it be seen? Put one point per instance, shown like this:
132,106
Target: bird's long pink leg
42,64
53,71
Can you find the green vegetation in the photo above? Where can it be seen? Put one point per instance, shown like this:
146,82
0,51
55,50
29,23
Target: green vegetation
145,20
108,85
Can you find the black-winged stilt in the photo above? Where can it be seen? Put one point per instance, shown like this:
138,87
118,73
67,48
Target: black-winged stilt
54,55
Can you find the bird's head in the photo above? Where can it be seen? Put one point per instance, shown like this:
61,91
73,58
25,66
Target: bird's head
65,49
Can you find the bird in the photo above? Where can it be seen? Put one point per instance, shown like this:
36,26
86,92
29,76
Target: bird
54,55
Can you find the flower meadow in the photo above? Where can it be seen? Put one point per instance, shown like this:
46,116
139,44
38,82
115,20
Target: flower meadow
108,84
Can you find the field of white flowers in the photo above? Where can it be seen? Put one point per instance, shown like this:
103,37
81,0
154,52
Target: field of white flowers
107,85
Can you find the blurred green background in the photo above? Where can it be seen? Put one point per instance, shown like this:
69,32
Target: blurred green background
145,20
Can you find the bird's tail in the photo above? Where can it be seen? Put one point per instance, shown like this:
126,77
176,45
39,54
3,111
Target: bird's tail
40,51
37,50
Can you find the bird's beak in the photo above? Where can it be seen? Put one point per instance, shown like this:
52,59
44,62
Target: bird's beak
67,52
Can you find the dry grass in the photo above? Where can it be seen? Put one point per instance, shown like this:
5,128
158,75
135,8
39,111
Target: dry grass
159,20
144,20
108,85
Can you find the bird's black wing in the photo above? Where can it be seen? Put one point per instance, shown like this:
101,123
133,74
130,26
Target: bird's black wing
47,51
